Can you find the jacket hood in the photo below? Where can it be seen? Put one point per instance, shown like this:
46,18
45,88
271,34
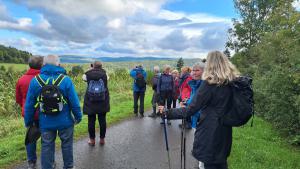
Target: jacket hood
32,72
52,70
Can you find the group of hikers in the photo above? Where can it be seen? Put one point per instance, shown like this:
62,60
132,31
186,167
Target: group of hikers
49,101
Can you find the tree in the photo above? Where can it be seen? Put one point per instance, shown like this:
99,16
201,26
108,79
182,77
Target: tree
227,52
180,64
253,24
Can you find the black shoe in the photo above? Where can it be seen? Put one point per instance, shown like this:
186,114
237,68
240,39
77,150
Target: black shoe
153,115
180,125
141,115
135,114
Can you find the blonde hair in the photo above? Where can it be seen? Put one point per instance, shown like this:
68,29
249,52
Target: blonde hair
167,68
218,69
175,71
186,69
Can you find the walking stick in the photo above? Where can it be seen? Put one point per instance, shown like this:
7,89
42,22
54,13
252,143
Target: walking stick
183,143
166,139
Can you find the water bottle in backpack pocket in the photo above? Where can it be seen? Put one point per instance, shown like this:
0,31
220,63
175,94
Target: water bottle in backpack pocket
96,90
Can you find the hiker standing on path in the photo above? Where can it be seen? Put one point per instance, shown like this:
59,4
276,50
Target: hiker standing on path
212,142
139,88
176,91
35,64
155,96
96,100
55,94
185,91
165,88
195,83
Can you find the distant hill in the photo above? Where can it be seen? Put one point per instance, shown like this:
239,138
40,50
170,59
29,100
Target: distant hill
84,59
13,55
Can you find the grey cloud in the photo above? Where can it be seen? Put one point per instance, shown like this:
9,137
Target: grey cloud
214,39
111,49
175,41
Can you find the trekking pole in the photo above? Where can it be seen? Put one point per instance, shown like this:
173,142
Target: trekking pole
184,143
181,143
166,139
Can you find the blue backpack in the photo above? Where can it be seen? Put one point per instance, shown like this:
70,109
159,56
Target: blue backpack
96,90
166,82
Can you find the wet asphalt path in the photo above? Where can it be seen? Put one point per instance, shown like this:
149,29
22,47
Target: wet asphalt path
137,143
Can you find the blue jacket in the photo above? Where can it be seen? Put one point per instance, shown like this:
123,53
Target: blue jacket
64,119
194,84
133,74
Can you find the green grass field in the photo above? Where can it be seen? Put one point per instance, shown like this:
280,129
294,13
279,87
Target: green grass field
261,147
16,67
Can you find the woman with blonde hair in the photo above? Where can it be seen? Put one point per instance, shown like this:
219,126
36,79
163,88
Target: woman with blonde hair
212,142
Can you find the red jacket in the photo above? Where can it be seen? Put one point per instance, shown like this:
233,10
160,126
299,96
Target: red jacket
185,89
22,87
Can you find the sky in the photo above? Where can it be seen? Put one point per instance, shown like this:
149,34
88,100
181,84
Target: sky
116,28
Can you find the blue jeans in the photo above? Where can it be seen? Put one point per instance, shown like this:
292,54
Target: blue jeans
31,152
48,147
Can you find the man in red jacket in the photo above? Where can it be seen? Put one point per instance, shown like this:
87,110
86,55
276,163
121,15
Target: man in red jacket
35,64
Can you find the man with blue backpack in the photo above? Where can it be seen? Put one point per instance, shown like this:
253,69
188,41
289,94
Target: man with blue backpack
54,94
139,88
96,100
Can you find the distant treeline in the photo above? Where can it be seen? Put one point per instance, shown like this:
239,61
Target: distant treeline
13,55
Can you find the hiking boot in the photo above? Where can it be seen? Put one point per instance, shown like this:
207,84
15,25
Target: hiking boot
135,114
102,141
141,115
91,142
31,165
152,115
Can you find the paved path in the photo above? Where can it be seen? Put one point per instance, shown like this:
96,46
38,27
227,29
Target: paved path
137,143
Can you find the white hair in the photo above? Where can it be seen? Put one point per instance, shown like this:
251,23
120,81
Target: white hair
200,65
52,60
156,69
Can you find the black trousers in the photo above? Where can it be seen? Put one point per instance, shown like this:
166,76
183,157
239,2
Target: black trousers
102,124
216,166
154,101
138,96
174,102
166,96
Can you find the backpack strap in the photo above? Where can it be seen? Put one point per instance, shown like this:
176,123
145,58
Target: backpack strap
40,80
58,80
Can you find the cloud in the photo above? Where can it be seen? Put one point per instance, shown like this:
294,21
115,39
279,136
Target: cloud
135,27
20,43
110,48
175,41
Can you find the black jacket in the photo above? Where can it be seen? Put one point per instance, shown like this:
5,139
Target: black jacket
91,108
212,142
